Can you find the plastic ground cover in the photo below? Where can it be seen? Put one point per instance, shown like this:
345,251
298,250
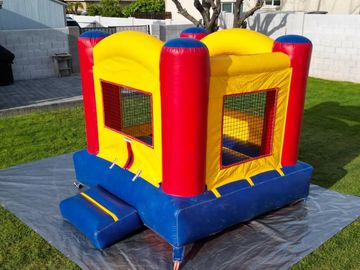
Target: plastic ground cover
273,241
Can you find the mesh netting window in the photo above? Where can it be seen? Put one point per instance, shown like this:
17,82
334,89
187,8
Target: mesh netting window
128,111
248,122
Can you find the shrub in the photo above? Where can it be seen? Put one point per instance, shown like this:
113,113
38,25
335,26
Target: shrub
106,8
110,8
144,6
93,10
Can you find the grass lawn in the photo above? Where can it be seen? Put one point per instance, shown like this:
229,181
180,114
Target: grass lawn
330,142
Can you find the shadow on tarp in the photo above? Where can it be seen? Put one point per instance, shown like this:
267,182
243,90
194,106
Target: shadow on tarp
273,241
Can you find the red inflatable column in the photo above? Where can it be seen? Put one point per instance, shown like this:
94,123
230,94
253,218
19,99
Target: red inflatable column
86,43
298,48
194,32
184,80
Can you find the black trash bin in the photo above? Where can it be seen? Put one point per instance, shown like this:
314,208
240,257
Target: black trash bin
6,59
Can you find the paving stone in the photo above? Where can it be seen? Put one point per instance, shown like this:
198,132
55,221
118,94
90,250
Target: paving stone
30,95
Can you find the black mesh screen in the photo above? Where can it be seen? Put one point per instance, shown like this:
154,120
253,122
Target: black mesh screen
247,126
136,114
128,111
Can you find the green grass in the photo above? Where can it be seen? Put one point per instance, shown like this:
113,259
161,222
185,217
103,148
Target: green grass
23,139
330,142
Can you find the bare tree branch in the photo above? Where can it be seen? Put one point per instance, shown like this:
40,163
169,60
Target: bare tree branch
186,14
210,11
202,11
213,25
237,12
212,4
239,21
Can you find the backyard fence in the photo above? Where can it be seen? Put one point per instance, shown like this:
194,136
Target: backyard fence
114,29
152,15
138,28
109,30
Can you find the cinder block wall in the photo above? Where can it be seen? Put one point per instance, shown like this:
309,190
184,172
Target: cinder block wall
168,32
336,40
34,49
74,33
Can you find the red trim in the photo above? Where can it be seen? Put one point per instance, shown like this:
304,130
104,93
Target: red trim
121,132
85,47
131,157
268,132
299,54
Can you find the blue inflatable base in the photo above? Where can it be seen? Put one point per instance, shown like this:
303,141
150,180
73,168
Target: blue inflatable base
181,221
101,228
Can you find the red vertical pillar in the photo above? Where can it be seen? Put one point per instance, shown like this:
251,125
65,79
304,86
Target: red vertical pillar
86,43
194,32
184,80
298,48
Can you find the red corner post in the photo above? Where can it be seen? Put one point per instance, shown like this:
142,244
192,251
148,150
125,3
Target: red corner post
86,43
194,32
184,80
298,48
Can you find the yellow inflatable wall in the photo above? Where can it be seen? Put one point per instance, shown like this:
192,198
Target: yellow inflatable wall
242,62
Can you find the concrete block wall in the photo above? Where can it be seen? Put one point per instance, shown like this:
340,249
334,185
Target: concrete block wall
74,33
34,49
336,40
99,21
172,31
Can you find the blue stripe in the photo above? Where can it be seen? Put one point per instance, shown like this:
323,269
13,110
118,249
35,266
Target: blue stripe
195,30
94,34
184,43
293,39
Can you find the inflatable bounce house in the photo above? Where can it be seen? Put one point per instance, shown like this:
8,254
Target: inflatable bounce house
188,137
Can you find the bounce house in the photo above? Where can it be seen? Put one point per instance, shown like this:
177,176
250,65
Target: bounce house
189,137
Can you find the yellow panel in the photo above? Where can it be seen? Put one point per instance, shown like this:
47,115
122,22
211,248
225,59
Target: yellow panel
134,46
130,59
251,122
232,65
228,85
237,41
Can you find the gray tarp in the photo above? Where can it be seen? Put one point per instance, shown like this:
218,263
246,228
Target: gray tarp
274,241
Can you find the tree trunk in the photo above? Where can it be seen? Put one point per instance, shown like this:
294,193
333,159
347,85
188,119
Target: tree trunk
240,19
210,11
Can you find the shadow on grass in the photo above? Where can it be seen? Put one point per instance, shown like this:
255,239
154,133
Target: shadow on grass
330,140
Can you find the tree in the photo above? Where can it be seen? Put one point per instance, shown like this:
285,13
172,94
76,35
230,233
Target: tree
110,8
144,6
210,11
73,7
93,10
106,8
240,19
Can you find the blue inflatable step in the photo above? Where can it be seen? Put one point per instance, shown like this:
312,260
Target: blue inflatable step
102,217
